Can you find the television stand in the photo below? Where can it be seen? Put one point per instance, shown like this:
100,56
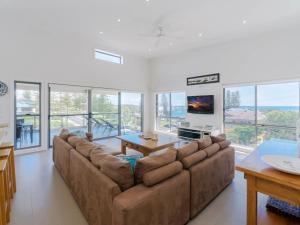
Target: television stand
193,133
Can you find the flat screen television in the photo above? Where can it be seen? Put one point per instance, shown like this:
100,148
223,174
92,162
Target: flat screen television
201,104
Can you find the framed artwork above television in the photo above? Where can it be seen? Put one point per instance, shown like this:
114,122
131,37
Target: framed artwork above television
206,79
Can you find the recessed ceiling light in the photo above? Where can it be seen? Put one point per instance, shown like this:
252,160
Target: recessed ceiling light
119,20
244,21
147,0
101,32
200,35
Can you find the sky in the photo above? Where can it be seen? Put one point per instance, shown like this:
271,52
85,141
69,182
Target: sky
286,94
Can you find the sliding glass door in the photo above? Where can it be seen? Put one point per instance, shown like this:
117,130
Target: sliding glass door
27,115
170,111
131,112
68,108
105,113
277,111
253,114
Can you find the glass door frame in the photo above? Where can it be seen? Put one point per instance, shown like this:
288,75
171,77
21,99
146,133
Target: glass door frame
141,108
90,114
170,117
35,115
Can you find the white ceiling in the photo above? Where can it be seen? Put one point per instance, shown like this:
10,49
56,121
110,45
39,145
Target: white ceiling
217,21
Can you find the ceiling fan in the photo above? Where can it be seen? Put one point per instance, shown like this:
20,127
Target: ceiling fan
159,35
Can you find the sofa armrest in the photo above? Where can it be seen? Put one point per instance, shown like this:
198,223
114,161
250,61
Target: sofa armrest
165,203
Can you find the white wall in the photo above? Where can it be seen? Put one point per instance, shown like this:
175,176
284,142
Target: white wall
37,56
263,58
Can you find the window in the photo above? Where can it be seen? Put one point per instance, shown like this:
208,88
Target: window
253,114
105,113
131,112
27,115
109,57
170,111
68,108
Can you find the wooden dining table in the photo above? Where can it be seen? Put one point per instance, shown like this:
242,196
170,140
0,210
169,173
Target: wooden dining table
267,180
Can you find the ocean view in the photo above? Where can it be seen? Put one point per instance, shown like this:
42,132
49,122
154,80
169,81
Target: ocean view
181,111
270,108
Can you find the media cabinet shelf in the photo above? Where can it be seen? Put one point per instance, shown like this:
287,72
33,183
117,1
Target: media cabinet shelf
193,133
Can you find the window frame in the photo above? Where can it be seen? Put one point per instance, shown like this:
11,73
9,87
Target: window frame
169,94
39,114
90,113
113,55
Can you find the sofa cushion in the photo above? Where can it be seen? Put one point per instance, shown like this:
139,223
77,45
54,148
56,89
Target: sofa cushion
193,159
85,147
97,155
204,143
118,170
65,134
187,150
224,144
154,161
72,140
163,173
211,150
219,138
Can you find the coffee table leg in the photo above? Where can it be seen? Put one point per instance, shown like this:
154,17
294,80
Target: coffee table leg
251,201
123,147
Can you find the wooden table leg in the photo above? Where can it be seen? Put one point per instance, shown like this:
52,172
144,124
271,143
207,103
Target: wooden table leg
251,201
13,169
2,199
123,147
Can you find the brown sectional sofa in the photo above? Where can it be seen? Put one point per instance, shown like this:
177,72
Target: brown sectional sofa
167,188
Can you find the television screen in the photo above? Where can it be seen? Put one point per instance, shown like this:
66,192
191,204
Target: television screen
201,104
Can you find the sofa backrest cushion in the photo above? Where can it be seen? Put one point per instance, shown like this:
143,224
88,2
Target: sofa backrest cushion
163,173
72,140
211,150
224,144
187,150
154,161
118,170
65,134
193,159
96,157
219,138
85,147
204,143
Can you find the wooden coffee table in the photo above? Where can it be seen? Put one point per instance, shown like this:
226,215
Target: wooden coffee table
264,179
146,146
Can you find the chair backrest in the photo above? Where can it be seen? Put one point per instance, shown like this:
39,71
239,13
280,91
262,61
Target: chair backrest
20,121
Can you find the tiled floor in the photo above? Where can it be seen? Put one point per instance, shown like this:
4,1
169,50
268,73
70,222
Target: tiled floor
42,197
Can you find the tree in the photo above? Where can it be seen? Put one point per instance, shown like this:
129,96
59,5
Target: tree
232,99
165,105
228,99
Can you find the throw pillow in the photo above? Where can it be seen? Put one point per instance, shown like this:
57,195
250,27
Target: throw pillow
219,138
204,143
